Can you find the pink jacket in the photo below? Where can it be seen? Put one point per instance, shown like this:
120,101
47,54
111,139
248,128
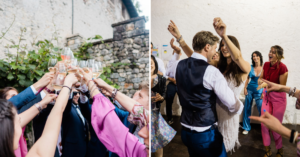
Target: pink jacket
111,131
22,149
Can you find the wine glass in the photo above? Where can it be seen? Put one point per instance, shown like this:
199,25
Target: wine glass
72,68
100,66
66,54
91,63
51,65
59,80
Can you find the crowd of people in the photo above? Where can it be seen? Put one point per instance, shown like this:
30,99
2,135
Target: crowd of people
208,84
91,120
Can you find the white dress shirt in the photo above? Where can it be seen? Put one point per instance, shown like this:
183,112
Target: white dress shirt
214,80
161,66
170,68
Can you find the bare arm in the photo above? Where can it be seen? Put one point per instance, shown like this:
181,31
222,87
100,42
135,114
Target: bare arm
235,53
173,29
283,78
46,145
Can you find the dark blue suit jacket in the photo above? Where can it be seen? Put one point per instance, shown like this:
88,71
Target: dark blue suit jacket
23,98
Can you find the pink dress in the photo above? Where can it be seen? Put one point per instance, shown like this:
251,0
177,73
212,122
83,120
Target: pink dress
22,149
112,132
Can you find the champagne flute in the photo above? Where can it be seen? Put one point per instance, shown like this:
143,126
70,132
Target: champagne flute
91,63
51,65
59,81
100,66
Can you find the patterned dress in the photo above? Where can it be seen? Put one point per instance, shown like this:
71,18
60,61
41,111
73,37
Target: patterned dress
161,132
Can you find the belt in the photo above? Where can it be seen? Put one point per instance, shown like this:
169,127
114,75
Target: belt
193,131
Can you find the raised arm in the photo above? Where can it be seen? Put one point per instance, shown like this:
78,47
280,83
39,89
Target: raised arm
173,29
46,144
29,114
235,53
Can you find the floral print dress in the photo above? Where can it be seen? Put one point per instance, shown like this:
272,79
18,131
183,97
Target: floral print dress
161,132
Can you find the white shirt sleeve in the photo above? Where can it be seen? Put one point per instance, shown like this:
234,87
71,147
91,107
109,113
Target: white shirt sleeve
170,66
161,66
33,90
214,80
43,94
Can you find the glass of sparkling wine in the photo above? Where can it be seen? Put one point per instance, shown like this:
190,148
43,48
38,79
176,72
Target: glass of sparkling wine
95,70
51,65
73,66
59,80
100,66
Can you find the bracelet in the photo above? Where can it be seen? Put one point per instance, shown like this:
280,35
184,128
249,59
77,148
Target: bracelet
67,87
292,136
294,91
38,107
296,135
114,93
48,90
179,38
290,92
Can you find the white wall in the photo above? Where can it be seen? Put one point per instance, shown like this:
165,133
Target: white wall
91,17
258,25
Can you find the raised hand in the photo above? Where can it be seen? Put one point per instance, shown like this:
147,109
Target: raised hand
70,80
174,30
86,76
47,99
220,27
177,49
44,81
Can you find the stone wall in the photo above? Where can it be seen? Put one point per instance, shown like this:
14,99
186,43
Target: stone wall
43,17
130,45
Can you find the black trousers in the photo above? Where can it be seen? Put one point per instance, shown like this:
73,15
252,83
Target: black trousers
170,94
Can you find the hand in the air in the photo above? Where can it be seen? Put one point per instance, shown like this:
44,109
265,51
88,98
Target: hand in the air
70,79
47,99
220,27
174,30
176,49
46,79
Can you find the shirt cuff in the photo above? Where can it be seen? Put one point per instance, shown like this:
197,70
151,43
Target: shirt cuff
241,108
167,77
176,56
33,90
43,94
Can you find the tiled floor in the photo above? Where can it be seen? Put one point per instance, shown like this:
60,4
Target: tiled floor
252,145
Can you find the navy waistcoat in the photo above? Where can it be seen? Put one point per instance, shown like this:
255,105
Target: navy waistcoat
198,103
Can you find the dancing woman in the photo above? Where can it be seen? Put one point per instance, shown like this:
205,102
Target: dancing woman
161,132
234,68
251,91
274,102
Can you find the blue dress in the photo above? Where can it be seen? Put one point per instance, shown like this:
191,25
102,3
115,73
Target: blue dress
253,93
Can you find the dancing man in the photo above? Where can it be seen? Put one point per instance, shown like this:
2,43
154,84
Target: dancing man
199,84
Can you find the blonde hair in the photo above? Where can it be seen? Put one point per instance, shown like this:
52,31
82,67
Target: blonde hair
278,52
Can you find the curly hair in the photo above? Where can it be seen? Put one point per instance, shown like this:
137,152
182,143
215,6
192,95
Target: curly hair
234,71
259,55
7,128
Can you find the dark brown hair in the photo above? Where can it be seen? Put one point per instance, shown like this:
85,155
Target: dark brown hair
156,65
4,91
259,55
7,128
201,39
234,70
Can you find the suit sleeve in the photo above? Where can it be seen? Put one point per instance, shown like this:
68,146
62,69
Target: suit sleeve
23,98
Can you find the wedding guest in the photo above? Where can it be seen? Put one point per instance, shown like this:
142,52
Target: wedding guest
250,90
274,102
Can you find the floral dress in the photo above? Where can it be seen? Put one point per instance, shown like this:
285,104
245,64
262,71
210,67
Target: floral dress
161,132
